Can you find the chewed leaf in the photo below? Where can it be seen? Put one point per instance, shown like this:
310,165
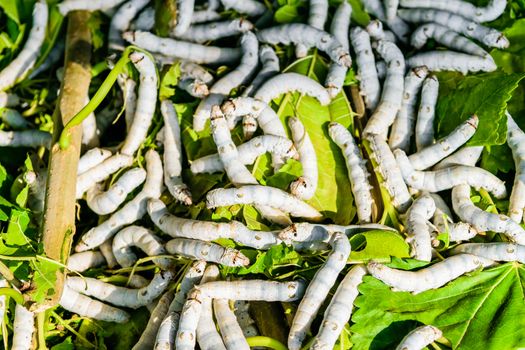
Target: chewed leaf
377,245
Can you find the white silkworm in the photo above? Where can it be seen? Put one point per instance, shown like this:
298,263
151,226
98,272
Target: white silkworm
121,20
396,24
85,306
207,335
106,249
145,20
121,296
497,251
419,338
241,308
25,138
339,29
182,49
194,79
482,220
231,331
222,88
403,126
202,16
269,68
298,33
488,36
131,211
391,173
3,284
100,172
417,231
431,277
250,8
73,5
107,202
437,61
317,15
432,154
8,99
377,32
516,140
23,328
146,103
248,152
444,179
83,261
493,10
318,290
147,338
13,118
366,71
291,82
173,154
130,101
200,33
262,196
141,238
391,9
357,172
207,230
169,325
194,87
89,131
339,310
306,185
26,59
381,70
392,95
442,220
249,126
467,155
445,37
184,16
211,252
426,113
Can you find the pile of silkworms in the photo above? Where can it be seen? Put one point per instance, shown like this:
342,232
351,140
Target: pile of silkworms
400,93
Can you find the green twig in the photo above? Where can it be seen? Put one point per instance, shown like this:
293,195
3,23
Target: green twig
13,293
266,342
41,319
71,329
9,276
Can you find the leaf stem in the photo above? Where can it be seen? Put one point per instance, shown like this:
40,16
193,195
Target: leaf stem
41,319
8,275
266,342
71,329
12,293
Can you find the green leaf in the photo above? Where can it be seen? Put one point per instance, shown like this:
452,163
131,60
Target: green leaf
18,222
67,344
277,257
485,95
378,245
288,173
359,15
344,343
253,219
168,81
287,14
497,158
485,310
44,278
10,8
21,198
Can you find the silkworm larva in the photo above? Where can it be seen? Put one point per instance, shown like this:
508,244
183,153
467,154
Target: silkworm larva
83,261
417,231
516,140
3,284
8,99
432,154
304,187
317,15
25,138
231,331
190,70
100,172
72,5
173,155
201,33
130,101
490,12
55,55
106,249
442,220
447,178
210,252
377,32
207,335
182,49
426,113
403,126
318,290
250,8
432,277
184,16
419,338
145,20
269,68
488,36
437,61
400,28
497,251
392,96
147,338
131,211
241,308
391,9
142,238
339,29
23,328
339,310
121,20
26,59
467,155
14,119
203,16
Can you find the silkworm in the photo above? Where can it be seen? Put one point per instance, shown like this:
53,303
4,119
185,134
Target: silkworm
207,230
23,328
55,55
145,21
419,338
482,220
173,155
194,79
403,126
121,20
442,220
203,16
366,73
428,278
488,36
147,338
490,12
437,61
396,24
182,49
194,87
339,310
249,126
90,131
432,154
100,172
250,8
262,196
391,173
8,99
146,103
201,33
27,57
210,252
339,29
130,101
25,138
248,152
377,32
231,331
14,119
291,82
426,113
207,335
468,155
298,33
392,95
142,238
107,202
221,89
169,325
391,9
184,16
3,284
131,211
106,249
83,261
417,232
317,15
306,185
357,172
269,67
444,179
515,140
497,251
73,5
241,308
318,290
445,37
